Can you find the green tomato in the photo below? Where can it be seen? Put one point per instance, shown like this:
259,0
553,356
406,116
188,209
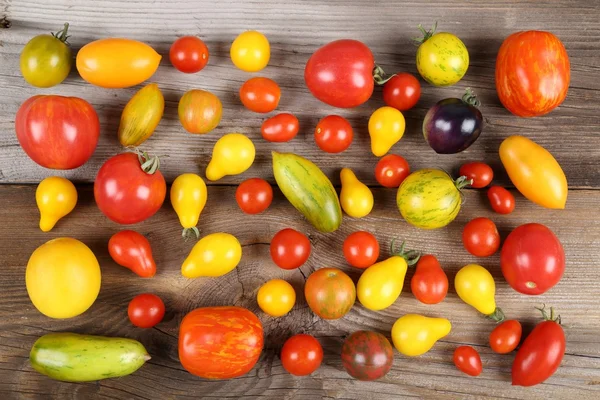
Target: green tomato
46,59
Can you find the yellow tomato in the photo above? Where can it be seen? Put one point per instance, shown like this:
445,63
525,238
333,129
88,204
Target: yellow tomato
141,116
117,63
55,198
62,278
475,286
276,297
534,172
386,127
232,155
415,334
188,197
250,51
381,284
213,255
356,198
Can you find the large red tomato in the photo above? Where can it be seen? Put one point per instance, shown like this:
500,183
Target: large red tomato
532,73
220,342
330,293
367,355
57,132
126,193
341,73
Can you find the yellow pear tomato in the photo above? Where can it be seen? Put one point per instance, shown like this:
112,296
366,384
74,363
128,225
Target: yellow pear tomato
386,128
214,255
475,286
276,297
356,198
233,154
55,198
415,334
250,51
188,197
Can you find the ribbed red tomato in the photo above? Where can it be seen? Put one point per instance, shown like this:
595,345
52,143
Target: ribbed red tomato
131,250
367,355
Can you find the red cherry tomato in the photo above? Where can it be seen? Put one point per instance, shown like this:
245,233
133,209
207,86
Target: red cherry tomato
402,91
467,360
280,128
480,237
361,249
132,250
506,336
289,249
391,170
254,195
146,310
481,174
501,200
260,95
301,355
429,284
189,54
333,134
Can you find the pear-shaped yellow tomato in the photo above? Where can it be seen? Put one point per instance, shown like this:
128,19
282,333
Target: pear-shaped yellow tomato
356,198
55,198
475,286
534,172
415,334
232,155
188,197
386,128
381,284
141,116
214,255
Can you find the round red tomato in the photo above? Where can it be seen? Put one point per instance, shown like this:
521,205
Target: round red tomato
481,174
289,248
506,336
132,250
429,284
57,132
532,73
330,293
501,200
341,73
189,54
361,249
333,134
254,195
480,237
467,360
280,128
367,355
391,170
146,310
125,192
402,91
260,95
532,259
301,355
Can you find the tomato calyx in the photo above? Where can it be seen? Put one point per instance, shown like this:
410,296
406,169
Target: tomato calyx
149,164
470,98
411,256
379,75
426,34
497,316
62,34
462,182
190,233
549,317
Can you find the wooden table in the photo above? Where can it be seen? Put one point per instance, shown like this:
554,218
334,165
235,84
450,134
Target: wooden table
295,30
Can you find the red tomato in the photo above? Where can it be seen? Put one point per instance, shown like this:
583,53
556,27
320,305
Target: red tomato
391,170
146,310
402,91
501,200
532,259
189,54
57,132
132,250
429,284
280,128
367,355
506,336
333,134
254,195
301,355
532,73
289,248
467,360
127,194
260,95
329,293
481,174
361,249
480,237
341,73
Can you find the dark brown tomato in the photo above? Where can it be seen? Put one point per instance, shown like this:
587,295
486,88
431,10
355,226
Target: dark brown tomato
367,355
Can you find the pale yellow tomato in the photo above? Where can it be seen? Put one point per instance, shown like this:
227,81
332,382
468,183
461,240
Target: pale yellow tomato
276,297
233,154
250,51
386,128
214,255
55,198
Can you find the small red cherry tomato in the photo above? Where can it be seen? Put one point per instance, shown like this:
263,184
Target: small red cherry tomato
301,355
391,170
280,128
189,54
481,174
146,310
429,284
361,249
480,237
467,360
260,95
333,134
501,200
254,195
132,250
289,248
506,336
402,91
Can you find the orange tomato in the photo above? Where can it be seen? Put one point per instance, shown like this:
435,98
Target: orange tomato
330,293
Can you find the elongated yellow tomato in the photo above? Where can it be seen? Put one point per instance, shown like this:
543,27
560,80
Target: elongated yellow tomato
534,172
356,198
475,286
117,63
141,116
381,284
415,334
214,255
55,198
188,197
232,155
386,128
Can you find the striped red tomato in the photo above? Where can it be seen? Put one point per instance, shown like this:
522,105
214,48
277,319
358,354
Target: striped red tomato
367,355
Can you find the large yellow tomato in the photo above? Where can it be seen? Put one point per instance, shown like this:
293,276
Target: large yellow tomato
188,197
415,334
214,255
276,297
55,198
475,286
250,51
386,128
62,278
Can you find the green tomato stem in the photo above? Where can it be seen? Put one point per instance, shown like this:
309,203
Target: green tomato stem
188,233
411,256
462,182
497,315
551,317
62,34
470,98
379,75
426,34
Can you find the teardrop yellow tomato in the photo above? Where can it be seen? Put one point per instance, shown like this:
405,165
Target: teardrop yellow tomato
232,155
188,197
214,255
381,284
534,172
475,286
415,334
356,198
141,116
55,198
386,128
276,297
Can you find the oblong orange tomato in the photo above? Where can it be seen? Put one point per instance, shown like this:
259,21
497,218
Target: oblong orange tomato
534,172
117,63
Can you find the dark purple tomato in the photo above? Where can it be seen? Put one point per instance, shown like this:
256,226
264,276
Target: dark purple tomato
367,355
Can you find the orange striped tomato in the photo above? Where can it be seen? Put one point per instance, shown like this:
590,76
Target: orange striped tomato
330,293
